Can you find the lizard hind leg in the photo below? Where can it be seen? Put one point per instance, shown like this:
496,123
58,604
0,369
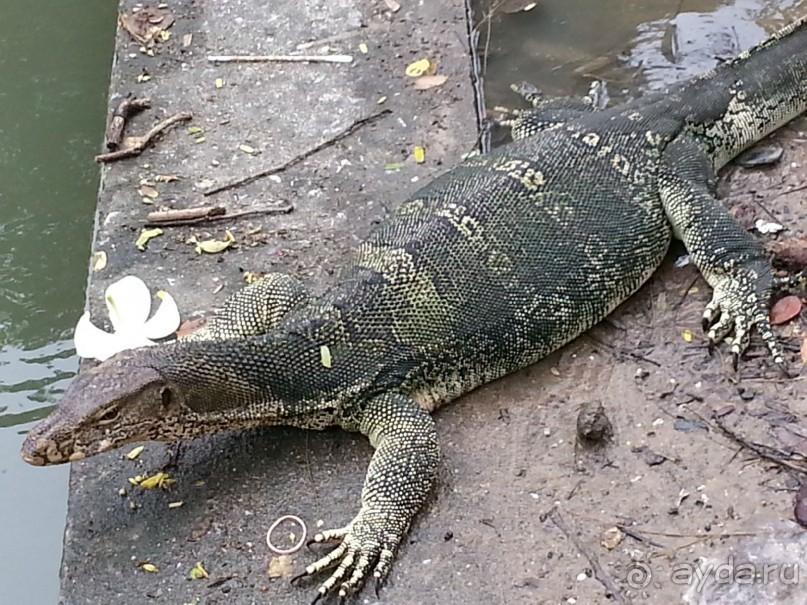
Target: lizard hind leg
255,309
548,113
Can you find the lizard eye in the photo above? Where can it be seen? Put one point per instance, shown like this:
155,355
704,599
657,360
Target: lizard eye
166,396
111,415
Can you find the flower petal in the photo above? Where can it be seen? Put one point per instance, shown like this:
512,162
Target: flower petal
93,342
129,303
165,320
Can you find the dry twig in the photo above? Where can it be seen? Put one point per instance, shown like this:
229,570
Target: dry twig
280,58
125,110
194,216
296,160
140,143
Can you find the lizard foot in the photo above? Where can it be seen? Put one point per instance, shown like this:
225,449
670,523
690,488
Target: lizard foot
368,542
739,303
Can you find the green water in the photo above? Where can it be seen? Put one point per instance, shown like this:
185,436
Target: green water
55,57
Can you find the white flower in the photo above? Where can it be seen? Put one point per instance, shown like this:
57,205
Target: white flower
129,304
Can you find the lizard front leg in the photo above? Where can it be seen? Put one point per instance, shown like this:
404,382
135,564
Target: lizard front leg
728,257
254,309
399,479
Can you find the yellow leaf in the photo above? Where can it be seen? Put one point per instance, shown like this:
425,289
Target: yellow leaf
175,504
420,155
145,236
219,82
198,572
150,567
195,130
157,480
325,356
420,67
135,452
212,246
99,261
687,335
363,48
381,100
247,149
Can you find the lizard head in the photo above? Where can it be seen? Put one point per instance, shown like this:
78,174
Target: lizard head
121,400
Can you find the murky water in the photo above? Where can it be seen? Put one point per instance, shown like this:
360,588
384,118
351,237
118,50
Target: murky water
54,70
562,45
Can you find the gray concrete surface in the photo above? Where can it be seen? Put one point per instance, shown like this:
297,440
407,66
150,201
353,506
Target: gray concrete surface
234,486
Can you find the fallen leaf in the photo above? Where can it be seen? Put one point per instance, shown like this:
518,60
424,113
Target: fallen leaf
219,82
766,227
175,504
247,149
427,82
325,356
611,537
381,100
804,350
198,572
785,309
98,261
213,246
161,480
363,48
135,452
148,191
393,166
195,130
392,5
280,567
421,67
166,178
187,39
790,252
146,25
687,335
145,236
150,567
420,155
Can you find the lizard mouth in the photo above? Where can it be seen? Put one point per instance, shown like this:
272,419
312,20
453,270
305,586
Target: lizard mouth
39,451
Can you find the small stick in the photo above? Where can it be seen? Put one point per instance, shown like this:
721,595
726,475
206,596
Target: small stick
599,573
296,160
194,216
140,143
125,110
280,58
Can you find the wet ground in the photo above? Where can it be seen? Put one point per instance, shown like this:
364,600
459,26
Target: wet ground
523,512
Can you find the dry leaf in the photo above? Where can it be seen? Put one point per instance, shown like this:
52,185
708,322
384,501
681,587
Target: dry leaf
187,39
150,567
156,480
98,261
280,567
147,25
219,82
427,82
247,149
785,309
148,191
420,154
790,252
804,350
611,538
687,335
392,5
213,246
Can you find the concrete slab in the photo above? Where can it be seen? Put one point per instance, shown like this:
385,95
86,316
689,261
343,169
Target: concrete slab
234,486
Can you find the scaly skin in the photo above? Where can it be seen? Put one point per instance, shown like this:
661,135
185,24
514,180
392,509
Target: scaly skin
485,270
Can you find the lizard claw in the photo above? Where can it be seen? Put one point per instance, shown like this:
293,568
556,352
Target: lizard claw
739,303
368,542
